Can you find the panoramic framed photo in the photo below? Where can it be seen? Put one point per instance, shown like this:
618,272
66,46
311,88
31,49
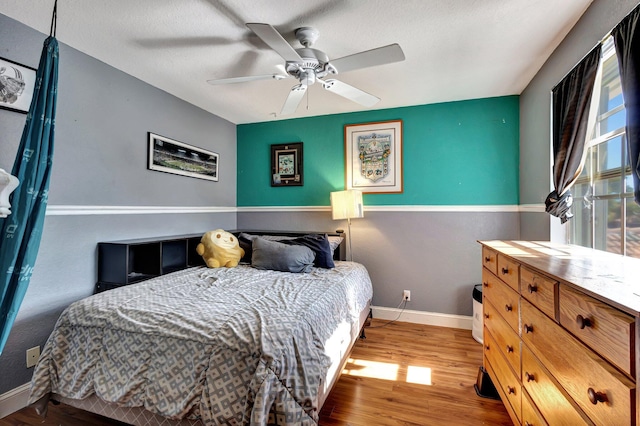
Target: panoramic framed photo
16,85
373,157
171,156
286,165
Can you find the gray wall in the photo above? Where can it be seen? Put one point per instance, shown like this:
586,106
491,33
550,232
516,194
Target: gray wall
433,254
103,117
535,112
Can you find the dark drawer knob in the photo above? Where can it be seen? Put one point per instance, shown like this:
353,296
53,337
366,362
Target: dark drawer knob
530,377
487,259
511,390
596,397
487,347
486,316
532,288
508,308
528,328
505,271
583,322
485,284
509,349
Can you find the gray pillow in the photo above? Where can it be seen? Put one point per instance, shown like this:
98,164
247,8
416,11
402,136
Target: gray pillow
281,257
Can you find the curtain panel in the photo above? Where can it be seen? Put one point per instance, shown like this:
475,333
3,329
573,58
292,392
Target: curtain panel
20,233
571,104
627,43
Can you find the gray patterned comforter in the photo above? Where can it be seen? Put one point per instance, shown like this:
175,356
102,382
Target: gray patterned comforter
231,346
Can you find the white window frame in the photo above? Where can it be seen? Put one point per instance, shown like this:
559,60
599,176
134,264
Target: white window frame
593,176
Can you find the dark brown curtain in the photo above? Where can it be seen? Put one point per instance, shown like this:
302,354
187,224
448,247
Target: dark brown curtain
628,52
571,102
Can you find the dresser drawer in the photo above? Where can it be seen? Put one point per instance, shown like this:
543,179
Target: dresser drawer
505,381
539,290
605,329
555,407
490,259
506,339
503,298
583,374
509,272
530,414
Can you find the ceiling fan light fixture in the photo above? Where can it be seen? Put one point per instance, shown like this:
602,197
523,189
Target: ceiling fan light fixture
308,77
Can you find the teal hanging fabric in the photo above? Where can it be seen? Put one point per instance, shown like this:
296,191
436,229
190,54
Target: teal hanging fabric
21,231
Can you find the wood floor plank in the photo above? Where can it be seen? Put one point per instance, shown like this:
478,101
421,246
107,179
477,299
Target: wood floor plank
376,387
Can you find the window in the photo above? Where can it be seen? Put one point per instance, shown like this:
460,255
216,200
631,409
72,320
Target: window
605,215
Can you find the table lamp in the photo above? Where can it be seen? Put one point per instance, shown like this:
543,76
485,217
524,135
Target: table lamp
347,205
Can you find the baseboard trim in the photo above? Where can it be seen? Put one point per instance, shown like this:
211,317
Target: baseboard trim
14,400
421,317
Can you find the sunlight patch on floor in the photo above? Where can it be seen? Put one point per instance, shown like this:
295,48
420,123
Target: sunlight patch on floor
372,369
387,371
419,375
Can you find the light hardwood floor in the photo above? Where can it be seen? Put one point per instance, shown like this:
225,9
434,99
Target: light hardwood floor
378,386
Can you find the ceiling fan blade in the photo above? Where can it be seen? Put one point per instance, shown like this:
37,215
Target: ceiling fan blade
233,80
353,94
369,58
274,40
293,100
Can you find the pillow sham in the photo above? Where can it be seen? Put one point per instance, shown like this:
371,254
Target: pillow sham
281,257
334,242
320,246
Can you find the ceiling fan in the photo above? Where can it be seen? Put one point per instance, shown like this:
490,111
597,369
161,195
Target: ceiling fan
309,65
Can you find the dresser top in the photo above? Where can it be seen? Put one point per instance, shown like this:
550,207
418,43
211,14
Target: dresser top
611,278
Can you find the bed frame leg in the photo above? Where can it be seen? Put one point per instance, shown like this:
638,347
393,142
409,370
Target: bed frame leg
366,324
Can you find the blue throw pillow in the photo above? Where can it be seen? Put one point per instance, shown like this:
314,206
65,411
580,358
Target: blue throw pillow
281,257
320,246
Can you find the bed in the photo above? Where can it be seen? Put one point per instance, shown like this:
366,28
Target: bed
204,346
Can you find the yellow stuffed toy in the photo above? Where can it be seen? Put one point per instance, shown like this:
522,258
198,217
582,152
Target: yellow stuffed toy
220,248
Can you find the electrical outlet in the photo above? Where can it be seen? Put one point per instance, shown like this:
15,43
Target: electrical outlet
406,295
32,356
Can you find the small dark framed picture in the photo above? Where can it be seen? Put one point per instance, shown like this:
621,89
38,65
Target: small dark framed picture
16,86
286,165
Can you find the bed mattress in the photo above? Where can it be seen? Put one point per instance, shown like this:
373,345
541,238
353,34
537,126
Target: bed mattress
225,346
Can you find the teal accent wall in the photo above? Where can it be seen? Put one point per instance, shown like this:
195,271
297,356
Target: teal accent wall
455,153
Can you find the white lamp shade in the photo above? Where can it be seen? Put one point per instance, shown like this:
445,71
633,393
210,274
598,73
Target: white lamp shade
346,204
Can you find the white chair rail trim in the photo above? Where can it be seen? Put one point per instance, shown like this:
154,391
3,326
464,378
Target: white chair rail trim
60,210
78,210
420,208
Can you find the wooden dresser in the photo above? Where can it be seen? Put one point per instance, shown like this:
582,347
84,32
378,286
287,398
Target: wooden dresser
561,340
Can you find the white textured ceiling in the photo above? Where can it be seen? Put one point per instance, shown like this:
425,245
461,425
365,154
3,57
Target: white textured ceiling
455,49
